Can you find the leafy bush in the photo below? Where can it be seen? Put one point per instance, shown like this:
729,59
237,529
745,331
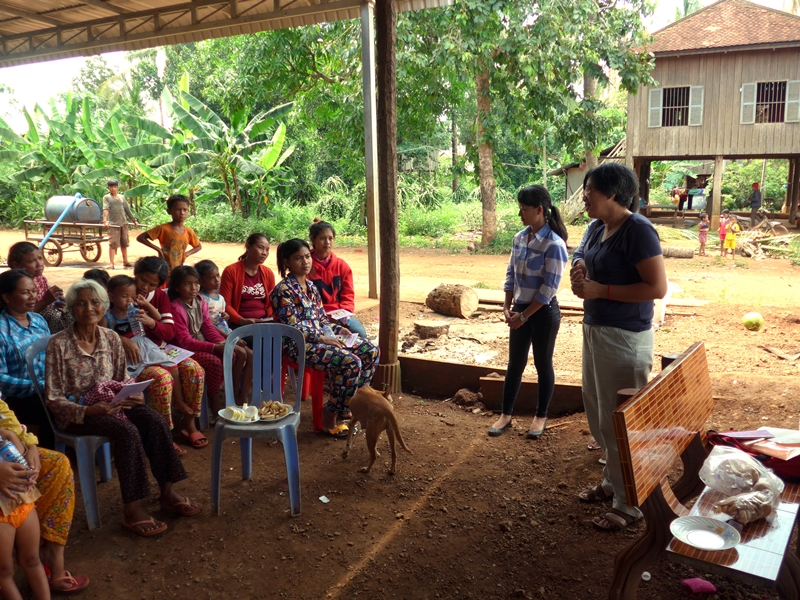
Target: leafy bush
432,223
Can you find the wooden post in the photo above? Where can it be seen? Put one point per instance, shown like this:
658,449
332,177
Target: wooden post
795,187
716,195
789,189
370,138
644,185
388,372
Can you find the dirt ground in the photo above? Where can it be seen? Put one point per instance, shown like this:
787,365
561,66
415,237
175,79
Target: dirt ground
434,529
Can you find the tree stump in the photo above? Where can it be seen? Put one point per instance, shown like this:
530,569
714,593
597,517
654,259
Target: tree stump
453,300
431,329
673,252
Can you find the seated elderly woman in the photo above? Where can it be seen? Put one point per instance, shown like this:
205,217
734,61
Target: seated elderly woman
83,362
20,327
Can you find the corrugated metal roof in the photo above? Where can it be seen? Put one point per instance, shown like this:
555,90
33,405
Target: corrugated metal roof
39,30
727,24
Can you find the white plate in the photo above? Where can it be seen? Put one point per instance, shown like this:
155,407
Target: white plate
705,533
221,413
290,413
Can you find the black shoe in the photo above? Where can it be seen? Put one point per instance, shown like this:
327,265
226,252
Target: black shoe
494,431
535,435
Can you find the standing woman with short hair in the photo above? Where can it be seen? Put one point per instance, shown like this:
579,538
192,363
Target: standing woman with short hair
618,273
538,260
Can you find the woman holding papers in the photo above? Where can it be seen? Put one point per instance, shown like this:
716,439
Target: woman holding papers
348,364
77,360
332,276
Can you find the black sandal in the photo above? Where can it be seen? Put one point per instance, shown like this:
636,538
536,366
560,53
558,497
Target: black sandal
614,520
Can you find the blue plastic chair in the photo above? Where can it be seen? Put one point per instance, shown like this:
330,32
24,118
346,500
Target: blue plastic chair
267,355
86,447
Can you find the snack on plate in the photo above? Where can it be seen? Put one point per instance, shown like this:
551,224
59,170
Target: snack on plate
235,413
746,508
273,410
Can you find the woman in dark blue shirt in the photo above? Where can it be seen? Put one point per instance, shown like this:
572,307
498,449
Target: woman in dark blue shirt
618,272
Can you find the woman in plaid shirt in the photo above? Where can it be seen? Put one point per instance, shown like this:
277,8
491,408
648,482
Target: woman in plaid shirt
538,260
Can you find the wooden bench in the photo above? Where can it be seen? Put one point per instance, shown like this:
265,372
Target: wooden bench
655,426
647,210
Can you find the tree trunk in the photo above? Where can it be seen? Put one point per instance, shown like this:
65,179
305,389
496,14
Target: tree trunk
453,300
544,161
589,91
228,191
431,329
388,371
192,207
454,150
237,197
485,166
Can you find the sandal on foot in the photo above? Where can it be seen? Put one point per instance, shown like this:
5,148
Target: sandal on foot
184,508
75,583
196,439
595,494
593,445
602,460
614,520
341,431
178,450
139,527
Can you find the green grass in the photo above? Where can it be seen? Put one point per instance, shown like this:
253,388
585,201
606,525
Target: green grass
480,285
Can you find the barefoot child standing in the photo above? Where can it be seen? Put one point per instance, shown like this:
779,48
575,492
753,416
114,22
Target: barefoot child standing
116,213
174,237
702,233
723,224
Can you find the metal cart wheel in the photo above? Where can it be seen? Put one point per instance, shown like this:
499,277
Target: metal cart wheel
91,252
779,230
52,253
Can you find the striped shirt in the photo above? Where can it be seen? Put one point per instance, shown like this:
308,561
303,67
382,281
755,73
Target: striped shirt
14,341
536,266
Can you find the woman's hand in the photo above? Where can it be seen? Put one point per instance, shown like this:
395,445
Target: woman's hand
514,321
578,272
587,289
53,294
219,349
132,401
507,314
102,409
34,461
145,319
132,353
331,341
14,479
246,321
345,331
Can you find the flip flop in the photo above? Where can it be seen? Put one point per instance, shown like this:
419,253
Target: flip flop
197,440
184,508
339,432
139,530
178,450
595,494
593,445
76,583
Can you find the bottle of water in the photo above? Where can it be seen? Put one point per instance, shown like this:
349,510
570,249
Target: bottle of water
222,323
9,453
136,325
327,331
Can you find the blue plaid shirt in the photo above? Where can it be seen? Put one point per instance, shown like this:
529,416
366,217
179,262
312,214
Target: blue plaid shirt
535,268
14,340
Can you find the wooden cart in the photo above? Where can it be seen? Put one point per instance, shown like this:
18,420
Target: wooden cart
86,236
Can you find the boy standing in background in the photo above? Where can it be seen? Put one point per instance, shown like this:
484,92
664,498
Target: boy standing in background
174,238
116,213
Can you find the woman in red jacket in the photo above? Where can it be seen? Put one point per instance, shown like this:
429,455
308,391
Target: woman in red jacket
332,276
247,283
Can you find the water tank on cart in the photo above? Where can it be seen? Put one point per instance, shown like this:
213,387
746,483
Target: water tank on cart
85,210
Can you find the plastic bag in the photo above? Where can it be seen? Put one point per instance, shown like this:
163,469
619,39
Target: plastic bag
753,491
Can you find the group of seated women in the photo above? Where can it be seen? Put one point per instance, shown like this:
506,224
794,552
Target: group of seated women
94,350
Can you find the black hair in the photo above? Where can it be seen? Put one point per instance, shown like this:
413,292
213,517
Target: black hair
19,251
99,275
703,216
176,278
251,240
9,282
317,227
536,196
176,198
109,184
286,249
204,267
153,265
118,281
614,179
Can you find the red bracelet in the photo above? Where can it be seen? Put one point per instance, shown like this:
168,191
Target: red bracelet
609,291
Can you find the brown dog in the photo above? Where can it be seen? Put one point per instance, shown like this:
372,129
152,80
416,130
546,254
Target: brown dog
374,411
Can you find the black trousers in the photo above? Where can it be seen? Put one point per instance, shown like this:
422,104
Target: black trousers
31,413
146,434
539,331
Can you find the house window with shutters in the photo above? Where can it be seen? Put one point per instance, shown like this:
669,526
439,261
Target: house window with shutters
770,102
676,106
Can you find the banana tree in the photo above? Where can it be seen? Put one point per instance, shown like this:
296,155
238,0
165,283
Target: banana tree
227,150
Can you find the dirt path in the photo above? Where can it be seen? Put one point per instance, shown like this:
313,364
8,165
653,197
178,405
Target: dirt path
466,516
